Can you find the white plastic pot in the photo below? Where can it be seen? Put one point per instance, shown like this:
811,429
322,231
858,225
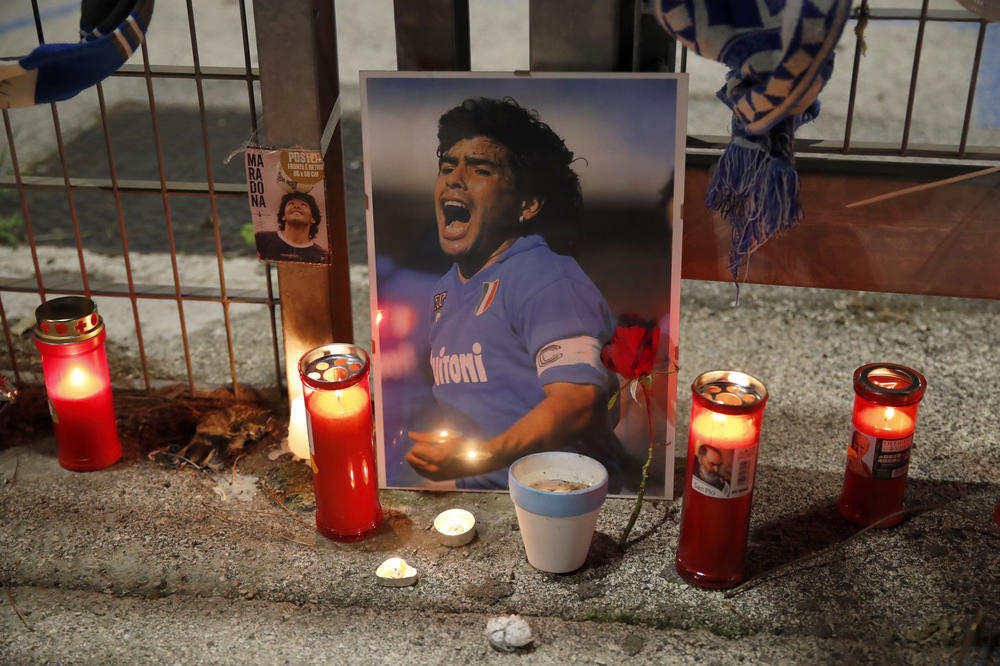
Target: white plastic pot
557,527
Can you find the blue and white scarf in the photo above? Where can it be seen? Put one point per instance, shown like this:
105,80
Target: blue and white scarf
780,55
110,32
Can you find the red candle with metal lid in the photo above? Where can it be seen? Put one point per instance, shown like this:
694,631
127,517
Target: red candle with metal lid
339,418
886,398
70,335
726,413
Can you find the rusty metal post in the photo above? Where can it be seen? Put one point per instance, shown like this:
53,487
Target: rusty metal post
299,82
583,35
432,34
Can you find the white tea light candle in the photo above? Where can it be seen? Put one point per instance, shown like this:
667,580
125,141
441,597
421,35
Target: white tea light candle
395,572
455,527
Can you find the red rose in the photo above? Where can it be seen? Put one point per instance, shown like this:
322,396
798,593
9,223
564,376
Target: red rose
632,351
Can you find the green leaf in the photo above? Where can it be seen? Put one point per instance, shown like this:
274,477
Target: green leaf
613,400
11,229
246,233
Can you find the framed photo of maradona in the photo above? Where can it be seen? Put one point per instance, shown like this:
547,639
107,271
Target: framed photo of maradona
514,222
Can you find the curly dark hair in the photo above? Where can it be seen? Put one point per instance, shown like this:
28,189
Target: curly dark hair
540,160
313,206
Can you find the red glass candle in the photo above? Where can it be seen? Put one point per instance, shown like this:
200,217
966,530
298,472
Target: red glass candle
886,398
70,335
726,413
339,419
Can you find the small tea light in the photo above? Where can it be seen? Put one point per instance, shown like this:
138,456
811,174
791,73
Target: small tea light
395,572
455,527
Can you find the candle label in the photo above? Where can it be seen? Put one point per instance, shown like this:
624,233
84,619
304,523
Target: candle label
312,447
877,457
724,473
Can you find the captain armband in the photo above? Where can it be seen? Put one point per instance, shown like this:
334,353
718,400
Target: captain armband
583,349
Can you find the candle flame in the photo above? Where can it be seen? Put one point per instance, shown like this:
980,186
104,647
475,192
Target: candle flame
455,528
298,434
739,378
473,455
443,434
718,417
78,384
378,317
889,412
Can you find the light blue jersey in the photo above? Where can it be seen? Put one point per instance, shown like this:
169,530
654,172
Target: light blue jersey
531,318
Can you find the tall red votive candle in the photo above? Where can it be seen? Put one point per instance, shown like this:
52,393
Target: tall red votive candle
726,413
70,335
886,398
339,418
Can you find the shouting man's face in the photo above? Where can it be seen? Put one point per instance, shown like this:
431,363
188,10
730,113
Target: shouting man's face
476,203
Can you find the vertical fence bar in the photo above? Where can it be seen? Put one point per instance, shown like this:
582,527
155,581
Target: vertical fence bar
271,301
247,63
212,198
24,205
65,168
113,171
10,343
274,329
918,49
158,143
973,80
72,203
852,98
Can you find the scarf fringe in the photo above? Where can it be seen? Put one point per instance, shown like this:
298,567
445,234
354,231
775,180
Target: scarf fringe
758,193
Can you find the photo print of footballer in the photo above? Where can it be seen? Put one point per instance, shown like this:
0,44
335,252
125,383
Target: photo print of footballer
514,222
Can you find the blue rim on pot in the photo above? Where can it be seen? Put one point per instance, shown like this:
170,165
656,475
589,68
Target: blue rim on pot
557,504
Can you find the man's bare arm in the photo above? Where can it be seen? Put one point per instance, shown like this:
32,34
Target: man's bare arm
567,410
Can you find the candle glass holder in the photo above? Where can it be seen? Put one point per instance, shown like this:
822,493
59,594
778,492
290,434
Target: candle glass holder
339,422
726,413
885,415
70,336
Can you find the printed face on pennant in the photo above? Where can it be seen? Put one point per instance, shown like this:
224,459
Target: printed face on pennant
297,210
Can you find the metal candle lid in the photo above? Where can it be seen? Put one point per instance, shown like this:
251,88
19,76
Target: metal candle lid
729,392
66,320
333,366
889,384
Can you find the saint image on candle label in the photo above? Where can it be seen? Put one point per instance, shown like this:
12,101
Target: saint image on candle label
877,457
723,473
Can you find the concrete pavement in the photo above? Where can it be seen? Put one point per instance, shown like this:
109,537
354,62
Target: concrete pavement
138,562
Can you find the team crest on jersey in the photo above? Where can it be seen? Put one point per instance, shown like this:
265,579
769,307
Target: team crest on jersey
439,303
439,300
489,293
